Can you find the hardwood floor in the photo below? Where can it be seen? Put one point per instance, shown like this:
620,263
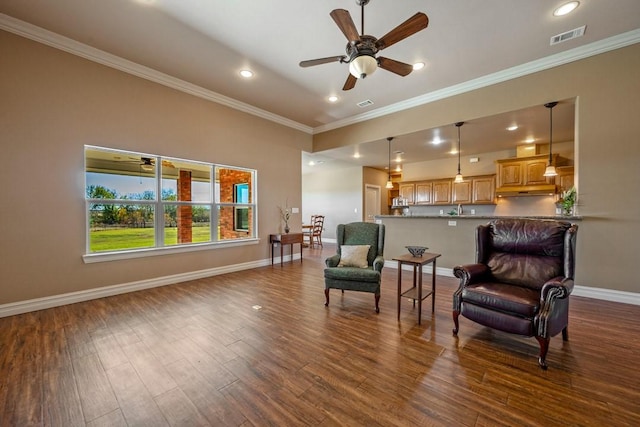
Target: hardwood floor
259,348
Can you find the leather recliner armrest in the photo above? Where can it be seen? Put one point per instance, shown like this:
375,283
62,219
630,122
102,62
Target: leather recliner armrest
561,287
470,273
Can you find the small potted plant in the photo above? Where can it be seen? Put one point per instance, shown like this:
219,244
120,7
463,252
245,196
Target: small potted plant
567,201
285,213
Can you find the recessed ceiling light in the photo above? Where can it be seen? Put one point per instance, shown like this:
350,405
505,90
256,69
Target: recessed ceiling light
566,8
332,98
312,163
418,66
529,140
356,156
399,168
512,128
436,141
247,74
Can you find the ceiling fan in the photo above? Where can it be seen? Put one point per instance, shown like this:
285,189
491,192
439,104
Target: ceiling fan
361,49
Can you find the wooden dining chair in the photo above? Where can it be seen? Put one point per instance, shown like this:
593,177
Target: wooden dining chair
314,232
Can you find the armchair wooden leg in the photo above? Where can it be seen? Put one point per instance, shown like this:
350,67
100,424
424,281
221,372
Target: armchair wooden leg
565,334
377,301
544,347
456,313
326,296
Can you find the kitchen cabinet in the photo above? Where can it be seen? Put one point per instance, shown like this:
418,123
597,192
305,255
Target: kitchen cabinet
406,191
462,192
524,175
483,190
424,193
565,178
441,192
474,190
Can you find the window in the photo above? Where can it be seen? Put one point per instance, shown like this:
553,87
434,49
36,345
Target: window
241,214
141,201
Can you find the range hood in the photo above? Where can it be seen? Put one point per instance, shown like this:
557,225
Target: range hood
526,190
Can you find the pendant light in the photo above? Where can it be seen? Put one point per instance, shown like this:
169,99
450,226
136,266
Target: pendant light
389,182
459,175
551,169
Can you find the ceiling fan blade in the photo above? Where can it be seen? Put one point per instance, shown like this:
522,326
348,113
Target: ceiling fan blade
350,83
394,66
345,23
312,62
417,22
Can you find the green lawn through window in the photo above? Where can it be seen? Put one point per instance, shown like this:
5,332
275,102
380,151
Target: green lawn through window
135,238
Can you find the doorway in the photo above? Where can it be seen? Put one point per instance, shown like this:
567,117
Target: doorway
371,202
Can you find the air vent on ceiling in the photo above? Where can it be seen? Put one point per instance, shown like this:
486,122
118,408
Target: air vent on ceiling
365,103
568,35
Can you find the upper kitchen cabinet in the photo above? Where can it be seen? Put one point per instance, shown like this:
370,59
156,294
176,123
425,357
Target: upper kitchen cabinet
476,190
442,192
524,176
564,179
406,191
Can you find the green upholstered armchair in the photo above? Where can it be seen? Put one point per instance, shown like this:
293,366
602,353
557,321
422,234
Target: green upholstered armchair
342,270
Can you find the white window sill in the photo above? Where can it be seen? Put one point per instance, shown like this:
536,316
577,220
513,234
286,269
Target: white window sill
144,253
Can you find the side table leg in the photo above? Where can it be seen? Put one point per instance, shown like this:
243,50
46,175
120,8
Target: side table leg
399,286
419,293
414,282
433,287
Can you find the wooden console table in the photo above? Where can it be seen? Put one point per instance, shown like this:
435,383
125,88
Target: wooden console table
285,239
415,293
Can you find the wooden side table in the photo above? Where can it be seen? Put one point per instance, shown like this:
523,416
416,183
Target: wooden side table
415,293
285,239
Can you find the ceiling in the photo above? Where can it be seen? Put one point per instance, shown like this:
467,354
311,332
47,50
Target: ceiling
207,43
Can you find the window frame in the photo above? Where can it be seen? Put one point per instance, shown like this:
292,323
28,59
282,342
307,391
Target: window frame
160,247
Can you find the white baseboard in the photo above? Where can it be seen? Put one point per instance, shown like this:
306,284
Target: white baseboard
27,306
36,304
579,291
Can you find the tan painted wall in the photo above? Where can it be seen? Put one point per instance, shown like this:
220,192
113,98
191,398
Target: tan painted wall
335,194
51,104
607,154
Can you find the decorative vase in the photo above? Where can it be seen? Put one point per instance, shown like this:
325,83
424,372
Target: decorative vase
567,210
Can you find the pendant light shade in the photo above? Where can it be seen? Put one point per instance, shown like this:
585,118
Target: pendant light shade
389,182
459,175
551,169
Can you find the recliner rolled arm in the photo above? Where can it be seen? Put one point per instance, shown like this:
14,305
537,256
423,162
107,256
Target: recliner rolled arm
561,287
470,273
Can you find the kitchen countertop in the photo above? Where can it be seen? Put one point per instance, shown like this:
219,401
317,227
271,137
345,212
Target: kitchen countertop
558,217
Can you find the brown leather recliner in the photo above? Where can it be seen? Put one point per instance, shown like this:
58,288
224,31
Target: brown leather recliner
522,279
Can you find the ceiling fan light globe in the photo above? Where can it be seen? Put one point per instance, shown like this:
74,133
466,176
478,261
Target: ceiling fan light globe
362,66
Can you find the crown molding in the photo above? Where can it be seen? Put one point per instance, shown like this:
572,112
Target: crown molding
561,58
82,50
